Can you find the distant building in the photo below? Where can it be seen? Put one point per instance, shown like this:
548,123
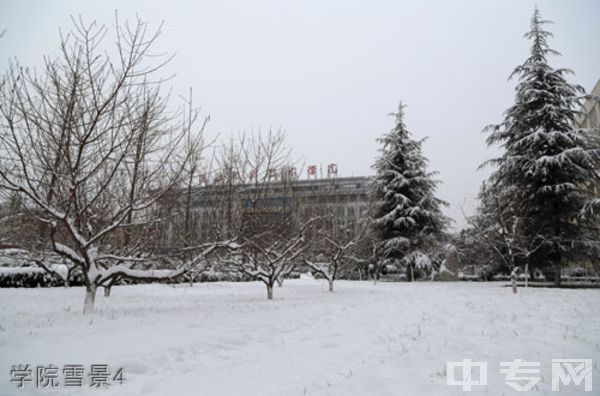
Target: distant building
590,115
227,209
590,112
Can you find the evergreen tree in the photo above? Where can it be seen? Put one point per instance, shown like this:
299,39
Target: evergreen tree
407,217
548,168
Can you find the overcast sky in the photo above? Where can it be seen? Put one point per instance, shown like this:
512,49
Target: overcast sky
329,72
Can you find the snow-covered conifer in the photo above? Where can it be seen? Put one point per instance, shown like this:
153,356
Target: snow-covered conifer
407,215
548,166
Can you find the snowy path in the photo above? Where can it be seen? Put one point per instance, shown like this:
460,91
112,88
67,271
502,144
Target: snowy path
227,339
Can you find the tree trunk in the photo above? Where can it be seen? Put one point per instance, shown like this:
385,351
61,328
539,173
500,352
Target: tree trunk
270,292
557,275
330,285
513,279
107,290
412,273
531,269
280,281
527,275
90,298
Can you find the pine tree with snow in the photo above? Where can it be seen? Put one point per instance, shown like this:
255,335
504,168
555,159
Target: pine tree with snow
407,217
548,167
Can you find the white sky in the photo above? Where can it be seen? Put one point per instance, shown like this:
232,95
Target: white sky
328,72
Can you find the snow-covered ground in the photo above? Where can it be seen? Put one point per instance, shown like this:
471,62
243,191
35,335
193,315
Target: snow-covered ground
363,339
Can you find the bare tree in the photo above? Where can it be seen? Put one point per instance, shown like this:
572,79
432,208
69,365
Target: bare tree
272,256
211,209
90,142
189,252
499,228
258,194
230,180
338,255
264,155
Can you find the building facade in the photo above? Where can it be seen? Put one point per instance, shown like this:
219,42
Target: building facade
590,111
228,210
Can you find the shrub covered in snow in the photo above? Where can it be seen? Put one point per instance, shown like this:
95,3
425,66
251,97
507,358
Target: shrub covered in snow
33,277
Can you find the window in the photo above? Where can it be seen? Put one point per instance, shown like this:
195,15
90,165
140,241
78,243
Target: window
351,212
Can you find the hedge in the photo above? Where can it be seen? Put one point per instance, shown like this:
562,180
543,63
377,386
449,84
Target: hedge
33,277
